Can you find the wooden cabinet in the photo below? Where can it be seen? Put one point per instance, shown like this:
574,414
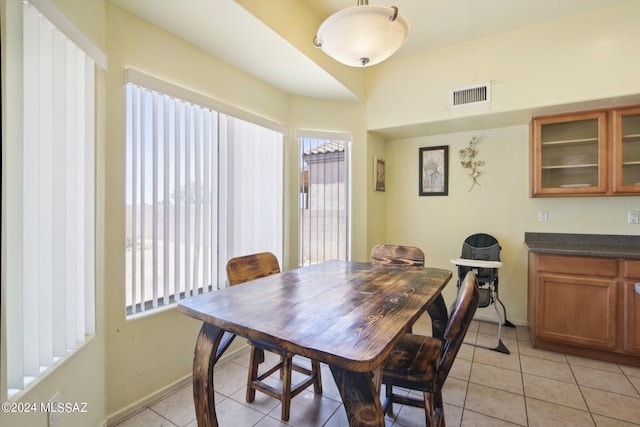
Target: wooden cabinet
586,154
576,300
585,306
569,154
626,150
632,307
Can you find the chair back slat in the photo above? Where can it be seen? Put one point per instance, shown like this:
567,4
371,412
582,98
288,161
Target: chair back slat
250,267
404,256
464,309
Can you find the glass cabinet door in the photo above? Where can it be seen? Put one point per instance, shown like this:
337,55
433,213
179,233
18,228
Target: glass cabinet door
569,154
626,154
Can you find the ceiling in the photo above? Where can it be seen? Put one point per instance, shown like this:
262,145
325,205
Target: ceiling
232,31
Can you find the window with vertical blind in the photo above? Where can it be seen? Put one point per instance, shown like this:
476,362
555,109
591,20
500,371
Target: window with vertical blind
324,183
49,208
202,186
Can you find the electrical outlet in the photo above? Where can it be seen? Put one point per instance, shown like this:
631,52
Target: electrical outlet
53,409
632,217
543,216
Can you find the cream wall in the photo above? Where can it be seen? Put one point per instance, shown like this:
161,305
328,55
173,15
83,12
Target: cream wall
552,67
584,58
376,202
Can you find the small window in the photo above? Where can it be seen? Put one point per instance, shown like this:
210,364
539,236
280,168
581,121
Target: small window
323,196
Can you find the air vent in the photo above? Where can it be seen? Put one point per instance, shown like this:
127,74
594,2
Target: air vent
478,94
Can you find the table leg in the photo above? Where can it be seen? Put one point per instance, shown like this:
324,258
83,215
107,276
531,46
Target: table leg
359,397
204,359
439,317
377,379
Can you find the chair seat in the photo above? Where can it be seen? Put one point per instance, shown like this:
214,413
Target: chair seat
413,362
267,346
422,363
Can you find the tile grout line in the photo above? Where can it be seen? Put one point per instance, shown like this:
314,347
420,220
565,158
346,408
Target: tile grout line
524,392
627,376
466,390
163,417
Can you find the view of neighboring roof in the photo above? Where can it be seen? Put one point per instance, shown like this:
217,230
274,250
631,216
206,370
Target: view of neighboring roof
327,147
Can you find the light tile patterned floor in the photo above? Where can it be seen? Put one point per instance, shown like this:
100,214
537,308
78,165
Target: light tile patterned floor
528,387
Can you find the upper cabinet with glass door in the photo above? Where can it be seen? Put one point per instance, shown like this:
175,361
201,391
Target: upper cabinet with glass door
586,154
569,154
626,150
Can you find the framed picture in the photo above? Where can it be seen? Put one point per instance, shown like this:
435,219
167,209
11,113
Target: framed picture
434,171
379,174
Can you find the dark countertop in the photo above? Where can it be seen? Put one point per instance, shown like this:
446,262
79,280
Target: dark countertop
602,245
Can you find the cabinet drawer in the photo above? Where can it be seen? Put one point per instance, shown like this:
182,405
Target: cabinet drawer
632,269
583,266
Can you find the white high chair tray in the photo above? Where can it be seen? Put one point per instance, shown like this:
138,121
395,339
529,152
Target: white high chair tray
476,263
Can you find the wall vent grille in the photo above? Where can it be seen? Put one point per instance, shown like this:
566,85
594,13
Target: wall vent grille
478,94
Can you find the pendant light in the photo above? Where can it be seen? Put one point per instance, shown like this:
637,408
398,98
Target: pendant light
362,35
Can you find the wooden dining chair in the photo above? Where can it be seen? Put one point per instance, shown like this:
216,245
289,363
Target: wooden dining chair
403,256
250,267
422,363
410,256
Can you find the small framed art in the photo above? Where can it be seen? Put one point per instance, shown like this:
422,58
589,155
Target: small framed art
379,174
434,171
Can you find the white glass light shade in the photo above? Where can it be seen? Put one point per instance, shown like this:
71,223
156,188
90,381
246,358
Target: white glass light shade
362,36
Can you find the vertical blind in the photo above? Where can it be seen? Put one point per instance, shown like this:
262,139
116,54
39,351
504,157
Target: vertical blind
202,187
323,196
50,267
171,185
254,182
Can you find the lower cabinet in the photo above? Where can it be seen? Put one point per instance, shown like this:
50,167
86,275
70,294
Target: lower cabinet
632,307
586,306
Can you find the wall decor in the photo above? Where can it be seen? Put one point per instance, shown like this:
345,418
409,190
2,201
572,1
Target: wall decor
379,174
434,171
468,160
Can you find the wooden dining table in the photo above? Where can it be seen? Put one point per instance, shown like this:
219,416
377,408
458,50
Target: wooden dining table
348,315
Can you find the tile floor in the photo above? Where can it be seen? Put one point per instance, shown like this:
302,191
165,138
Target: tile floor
528,387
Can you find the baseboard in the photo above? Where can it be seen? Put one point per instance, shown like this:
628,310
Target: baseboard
158,395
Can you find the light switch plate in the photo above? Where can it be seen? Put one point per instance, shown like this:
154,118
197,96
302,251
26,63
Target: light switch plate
543,216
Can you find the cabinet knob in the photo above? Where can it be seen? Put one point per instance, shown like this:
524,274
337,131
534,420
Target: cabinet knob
637,288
